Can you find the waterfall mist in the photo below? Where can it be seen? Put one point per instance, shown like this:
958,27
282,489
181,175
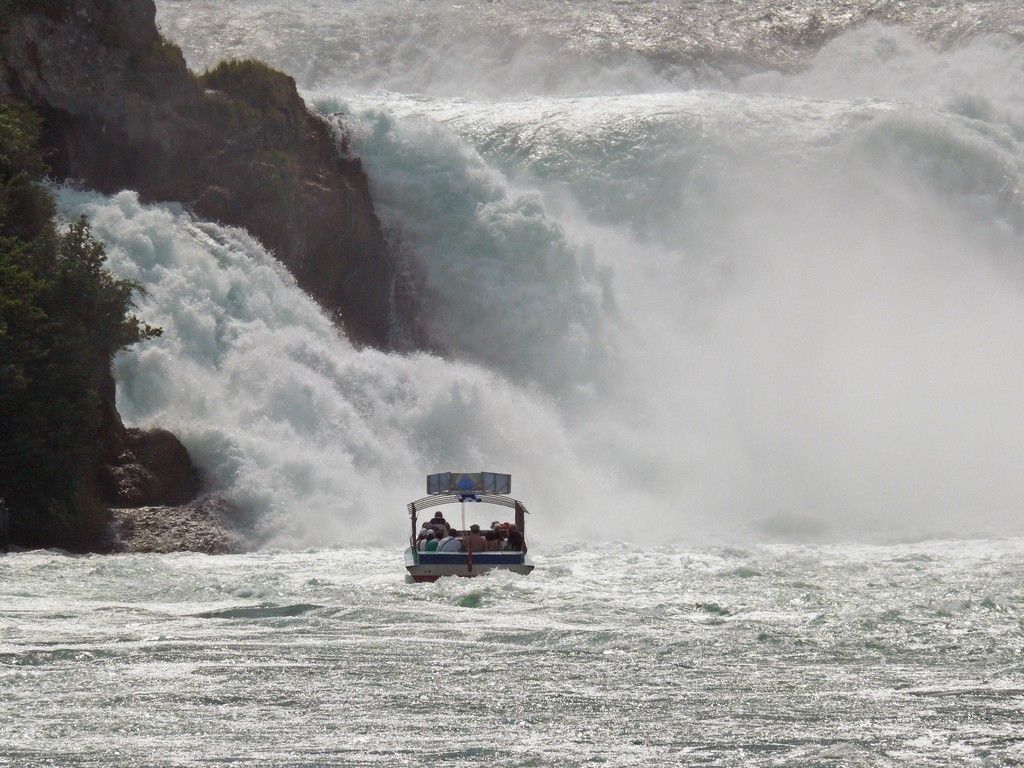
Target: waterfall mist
674,303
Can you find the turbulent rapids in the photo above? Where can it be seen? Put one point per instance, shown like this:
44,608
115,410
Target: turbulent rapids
617,655
737,295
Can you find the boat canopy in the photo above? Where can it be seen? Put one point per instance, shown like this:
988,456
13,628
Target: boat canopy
469,482
487,498
460,487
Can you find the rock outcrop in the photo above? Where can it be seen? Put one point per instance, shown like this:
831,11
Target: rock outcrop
237,144
151,468
137,467
121,110
208,524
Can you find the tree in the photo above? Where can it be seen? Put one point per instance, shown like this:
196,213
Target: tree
63,317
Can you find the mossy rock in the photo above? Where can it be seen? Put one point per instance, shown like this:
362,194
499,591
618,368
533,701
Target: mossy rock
254,83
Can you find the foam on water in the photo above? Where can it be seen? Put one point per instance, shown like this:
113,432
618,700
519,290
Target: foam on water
495,50
502,284
814,301
610,654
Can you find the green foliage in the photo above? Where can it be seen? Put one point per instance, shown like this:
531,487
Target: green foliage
263,111
26,209
19,136
259,86
63,317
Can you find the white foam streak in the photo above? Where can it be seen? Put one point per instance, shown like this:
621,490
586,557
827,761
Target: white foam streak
983,76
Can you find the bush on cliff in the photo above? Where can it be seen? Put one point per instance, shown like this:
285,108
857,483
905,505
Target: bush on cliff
63,317
260,87
264,111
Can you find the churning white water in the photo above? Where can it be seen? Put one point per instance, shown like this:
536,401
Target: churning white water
317,439
666,283
606,655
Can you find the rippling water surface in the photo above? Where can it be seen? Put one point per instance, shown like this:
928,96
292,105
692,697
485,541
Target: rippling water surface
616,655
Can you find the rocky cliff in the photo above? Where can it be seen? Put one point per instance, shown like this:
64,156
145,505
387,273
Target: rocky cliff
236,144
119,110
139,468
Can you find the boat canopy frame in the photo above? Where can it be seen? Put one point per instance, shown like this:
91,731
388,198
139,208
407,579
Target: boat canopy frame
438,500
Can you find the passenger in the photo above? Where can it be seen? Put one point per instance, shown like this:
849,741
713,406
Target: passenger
473,541
426,535
439,521
449,544
431,543
495,537
516,542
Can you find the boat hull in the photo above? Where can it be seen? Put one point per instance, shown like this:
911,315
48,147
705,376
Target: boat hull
430,566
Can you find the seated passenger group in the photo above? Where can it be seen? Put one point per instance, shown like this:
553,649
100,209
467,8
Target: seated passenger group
438,536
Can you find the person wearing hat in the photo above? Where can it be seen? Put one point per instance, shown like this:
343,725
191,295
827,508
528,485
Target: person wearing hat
426,534
430,544
473,541
440,522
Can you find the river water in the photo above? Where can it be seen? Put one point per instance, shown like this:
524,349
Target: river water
606,655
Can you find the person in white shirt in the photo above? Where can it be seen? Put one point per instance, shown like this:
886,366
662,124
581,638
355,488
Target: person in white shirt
449,544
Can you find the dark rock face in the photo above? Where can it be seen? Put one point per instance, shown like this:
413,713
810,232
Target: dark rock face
152,468
140,467
238,145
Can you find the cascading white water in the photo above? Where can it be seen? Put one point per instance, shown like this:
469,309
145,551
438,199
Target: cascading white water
323,443
789,304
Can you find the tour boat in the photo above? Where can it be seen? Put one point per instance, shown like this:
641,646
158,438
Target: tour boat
462,488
